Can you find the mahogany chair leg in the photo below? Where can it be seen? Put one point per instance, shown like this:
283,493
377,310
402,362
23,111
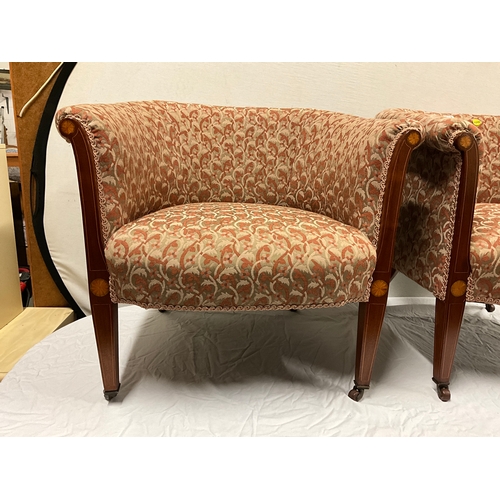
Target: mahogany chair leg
105,318
449,314
370,320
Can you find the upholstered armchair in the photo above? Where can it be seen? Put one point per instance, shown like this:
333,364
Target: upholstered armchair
446,242
209,208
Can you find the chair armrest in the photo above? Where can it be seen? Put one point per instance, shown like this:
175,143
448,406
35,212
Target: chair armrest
488,190
438,201
486,131
441,130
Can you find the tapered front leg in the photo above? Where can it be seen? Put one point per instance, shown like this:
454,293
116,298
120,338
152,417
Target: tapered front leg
105,318
370,320
449,315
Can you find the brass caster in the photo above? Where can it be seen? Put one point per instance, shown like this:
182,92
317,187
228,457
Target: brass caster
109,395
490,307
356,394
443,391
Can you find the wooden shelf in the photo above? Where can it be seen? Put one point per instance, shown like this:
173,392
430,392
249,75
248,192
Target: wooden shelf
26,330
13,160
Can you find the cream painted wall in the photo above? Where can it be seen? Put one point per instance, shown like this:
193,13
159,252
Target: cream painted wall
361,89
357,88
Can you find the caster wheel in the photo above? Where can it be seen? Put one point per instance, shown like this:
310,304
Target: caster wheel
109,395
444,393
490,308
356,394
294,310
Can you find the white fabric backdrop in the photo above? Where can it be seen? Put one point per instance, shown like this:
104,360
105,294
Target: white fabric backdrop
256,374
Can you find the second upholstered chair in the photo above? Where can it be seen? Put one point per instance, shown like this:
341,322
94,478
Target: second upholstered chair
446,242
209,208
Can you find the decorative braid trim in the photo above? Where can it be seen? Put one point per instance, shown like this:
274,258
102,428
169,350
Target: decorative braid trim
454,202
469,294
366,294
285,307
469,297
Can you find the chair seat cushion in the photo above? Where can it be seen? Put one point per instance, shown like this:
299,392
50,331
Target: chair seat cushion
484,281
238,256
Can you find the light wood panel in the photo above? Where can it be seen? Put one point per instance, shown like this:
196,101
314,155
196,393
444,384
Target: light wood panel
10,292
13,160
26,330
26,79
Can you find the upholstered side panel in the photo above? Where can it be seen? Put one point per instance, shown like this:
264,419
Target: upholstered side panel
426,222
484,280
154,154
488,190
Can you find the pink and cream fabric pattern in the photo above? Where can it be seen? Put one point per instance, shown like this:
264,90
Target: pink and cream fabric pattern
220,173
237,255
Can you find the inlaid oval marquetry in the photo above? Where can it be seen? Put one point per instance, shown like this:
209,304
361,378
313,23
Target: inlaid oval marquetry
458,288
464,142
67,127
413,138
99,287
379,288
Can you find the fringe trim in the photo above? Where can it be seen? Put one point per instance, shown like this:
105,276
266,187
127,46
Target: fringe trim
469,294
284,307
484,300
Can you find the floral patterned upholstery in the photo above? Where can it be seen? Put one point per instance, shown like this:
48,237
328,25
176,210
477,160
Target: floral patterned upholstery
207,207
484,280
238,255
429,198
326,162
488,126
